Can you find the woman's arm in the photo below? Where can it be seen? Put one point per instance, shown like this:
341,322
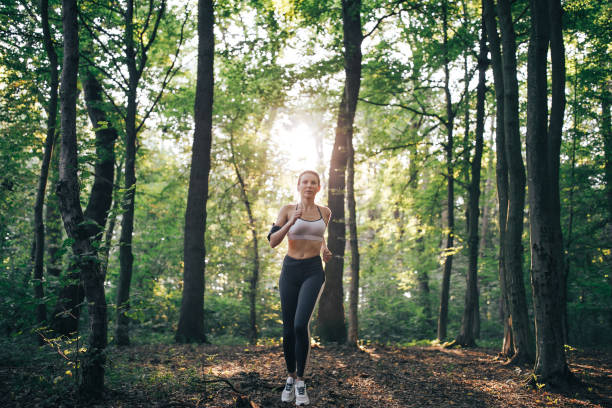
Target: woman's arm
327,255
284,221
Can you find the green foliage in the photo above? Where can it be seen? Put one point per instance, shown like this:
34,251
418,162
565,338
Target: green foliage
281,61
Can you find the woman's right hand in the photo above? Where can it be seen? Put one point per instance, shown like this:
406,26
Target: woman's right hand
294,216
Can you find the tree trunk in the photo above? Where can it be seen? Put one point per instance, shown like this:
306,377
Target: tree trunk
108,235
450,192
70,207
466,334
422,275
101,195
67,311
466,113
191,321
331,308
252,226
353,332
570,199
487,207
501,169
53,218
606,130
135,59
513,248
543,161
126,256
557,113
39,252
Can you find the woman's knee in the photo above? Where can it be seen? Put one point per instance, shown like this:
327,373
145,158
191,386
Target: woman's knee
301,329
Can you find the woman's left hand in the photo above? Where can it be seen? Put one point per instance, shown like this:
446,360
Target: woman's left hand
327,255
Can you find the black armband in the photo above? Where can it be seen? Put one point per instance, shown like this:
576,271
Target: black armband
273,230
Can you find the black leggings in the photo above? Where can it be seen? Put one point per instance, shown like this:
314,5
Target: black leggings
300,284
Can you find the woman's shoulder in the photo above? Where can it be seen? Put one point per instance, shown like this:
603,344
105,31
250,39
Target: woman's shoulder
287,207
326,211
283,214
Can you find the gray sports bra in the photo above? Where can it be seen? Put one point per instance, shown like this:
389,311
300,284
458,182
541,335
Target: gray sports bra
308,230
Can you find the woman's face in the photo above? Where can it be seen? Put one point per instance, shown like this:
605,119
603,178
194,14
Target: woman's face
308,185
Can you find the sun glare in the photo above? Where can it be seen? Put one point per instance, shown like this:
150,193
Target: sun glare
299,146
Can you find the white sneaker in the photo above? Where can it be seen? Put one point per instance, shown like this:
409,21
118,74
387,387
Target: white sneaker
301,397
288,393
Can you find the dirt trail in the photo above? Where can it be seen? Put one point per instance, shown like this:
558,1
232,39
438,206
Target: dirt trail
339,377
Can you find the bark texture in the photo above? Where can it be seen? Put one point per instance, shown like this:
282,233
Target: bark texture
544,216
501,169
39,227
101,195
466,336
126,257
53,218
513,248
353,332
70,207
191,321
331,307
450,191
555,129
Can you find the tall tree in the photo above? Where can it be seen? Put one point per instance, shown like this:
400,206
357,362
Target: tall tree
543,144
466,334
39,243
191,322
253,229
424,300
79,227
475,319
450,187
513,247
99,108
501,168
353,330
555,130
331,307
572,191
136,56
606,130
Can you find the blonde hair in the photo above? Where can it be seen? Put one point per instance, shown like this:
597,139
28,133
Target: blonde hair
311,172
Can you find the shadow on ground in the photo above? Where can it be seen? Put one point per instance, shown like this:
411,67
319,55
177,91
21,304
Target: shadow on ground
338,377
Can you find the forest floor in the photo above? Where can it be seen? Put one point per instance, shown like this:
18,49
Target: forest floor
373,376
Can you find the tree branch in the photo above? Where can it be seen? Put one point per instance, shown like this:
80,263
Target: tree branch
145,47
108,53
408,108
380,20
106,73
170,73
147,21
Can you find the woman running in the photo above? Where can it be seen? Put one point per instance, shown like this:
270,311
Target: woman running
302,277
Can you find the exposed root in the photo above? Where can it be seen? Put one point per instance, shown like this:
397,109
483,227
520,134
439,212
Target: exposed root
518,359
242,401
459,342
558,382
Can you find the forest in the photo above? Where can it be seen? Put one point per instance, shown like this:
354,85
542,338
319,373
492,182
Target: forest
464,149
